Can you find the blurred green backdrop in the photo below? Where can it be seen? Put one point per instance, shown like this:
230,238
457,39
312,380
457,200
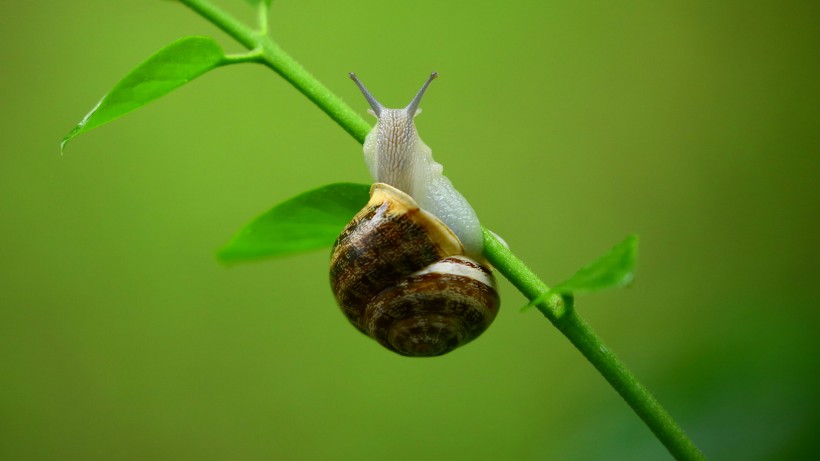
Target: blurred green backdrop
567,124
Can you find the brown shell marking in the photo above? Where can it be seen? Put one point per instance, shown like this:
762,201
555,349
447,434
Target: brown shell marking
377,273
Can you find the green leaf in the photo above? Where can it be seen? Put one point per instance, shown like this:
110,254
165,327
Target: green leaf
615,269
612,270
303,223
171,67
256,2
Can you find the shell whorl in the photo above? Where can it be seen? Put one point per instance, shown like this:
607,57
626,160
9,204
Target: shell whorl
401,277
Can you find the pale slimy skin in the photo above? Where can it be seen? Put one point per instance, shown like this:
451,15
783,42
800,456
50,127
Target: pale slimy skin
396,155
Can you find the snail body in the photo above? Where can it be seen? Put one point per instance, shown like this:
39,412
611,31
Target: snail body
408,270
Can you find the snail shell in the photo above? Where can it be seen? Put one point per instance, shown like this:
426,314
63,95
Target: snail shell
401,277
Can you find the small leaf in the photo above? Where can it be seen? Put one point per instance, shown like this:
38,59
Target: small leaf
168,69
615,269
612,270
306,222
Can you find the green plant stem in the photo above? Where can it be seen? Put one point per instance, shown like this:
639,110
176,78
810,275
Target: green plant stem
556,308
281,63
240,58
561,313
262,18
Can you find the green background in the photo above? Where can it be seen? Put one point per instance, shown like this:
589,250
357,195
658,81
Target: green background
567,124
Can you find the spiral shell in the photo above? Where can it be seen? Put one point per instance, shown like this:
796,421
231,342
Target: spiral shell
401,277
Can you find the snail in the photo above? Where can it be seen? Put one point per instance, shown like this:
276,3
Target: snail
408,270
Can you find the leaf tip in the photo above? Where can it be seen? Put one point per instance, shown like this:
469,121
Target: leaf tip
225,257
69,137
